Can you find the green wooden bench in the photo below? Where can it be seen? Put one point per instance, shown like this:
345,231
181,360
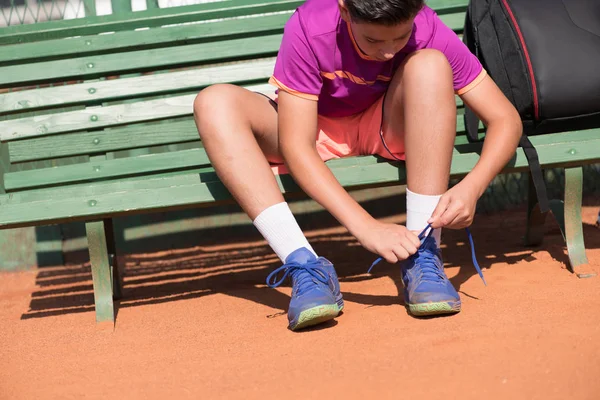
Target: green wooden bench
101,147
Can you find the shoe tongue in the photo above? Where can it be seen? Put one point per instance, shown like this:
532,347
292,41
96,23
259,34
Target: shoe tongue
300,256
430,244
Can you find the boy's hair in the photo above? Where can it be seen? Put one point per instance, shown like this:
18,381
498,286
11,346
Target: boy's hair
383,12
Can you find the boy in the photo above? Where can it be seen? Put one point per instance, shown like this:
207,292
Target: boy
359,77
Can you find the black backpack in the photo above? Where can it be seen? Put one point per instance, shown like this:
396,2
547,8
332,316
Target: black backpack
545,57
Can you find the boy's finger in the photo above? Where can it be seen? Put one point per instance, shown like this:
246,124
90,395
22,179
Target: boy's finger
414,239
449,215
439,210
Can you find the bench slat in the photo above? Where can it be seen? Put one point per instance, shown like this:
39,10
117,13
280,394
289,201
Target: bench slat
134,40
102,117
140,19
120,138
98,170
148,85
94,66
197,158
169,36
138,61
84,143
110,198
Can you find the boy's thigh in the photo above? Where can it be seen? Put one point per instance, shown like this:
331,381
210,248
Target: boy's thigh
362,134
378,137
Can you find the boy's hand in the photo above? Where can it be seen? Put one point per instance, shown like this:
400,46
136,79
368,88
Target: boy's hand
392,242
456,207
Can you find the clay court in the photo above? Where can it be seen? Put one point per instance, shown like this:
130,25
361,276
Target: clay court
199,323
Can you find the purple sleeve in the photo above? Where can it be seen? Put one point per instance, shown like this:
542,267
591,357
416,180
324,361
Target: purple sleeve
466,68
296,68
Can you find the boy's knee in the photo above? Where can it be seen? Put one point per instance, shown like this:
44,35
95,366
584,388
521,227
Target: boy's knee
212,106
212,99
428,64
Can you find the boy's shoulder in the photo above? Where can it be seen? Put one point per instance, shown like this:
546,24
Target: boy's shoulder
318,17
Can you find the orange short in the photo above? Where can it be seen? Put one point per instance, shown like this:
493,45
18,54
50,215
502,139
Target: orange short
355,135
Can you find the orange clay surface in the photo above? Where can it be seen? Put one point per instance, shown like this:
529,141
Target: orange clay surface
199,323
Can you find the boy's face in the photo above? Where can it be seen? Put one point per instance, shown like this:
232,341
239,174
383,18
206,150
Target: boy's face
380,42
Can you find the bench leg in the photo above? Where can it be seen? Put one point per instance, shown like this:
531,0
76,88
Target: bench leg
101,276
572,227
534,236
115,268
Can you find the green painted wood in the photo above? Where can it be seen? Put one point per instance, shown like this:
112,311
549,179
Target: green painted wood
554,138
152,4
97,117
136,40
116,268
90,8
160,37
4,164
102,117
98,170
573,223
122,138
18,249
120,7
101,275
139,61
135,195
141,19
147,85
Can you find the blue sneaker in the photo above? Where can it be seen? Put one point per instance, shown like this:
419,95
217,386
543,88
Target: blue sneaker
427,290
316,295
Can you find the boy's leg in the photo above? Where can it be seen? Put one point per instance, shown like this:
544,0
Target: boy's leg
239,133
420,106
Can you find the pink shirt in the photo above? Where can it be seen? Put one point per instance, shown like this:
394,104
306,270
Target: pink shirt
319,59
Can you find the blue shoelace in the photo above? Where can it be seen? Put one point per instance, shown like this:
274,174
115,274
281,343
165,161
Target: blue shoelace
428,267
302,274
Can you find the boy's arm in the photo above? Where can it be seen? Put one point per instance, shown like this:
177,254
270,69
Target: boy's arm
297,143
504,128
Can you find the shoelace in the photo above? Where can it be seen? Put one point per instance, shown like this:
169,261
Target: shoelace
422,236
303,274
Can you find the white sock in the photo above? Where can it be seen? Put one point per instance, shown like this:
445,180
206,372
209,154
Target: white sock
279,227
419,208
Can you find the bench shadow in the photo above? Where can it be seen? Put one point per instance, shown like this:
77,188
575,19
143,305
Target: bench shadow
238,267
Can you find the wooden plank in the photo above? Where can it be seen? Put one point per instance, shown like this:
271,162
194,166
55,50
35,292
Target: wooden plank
163,37
88,143
119,138
136,195
139,61
141,19
136,40
101,276
100,170
151,4
147,85
120,7
89,7
99,117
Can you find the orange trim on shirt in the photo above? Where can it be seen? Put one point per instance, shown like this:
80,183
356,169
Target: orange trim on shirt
353,78
358,50
473,83
275,82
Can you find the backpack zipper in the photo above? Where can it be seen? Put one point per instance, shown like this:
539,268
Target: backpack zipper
536,106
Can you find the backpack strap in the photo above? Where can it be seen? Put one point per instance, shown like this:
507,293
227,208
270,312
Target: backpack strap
536,172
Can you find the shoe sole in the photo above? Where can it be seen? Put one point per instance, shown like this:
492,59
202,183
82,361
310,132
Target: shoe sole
425,309
316,315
